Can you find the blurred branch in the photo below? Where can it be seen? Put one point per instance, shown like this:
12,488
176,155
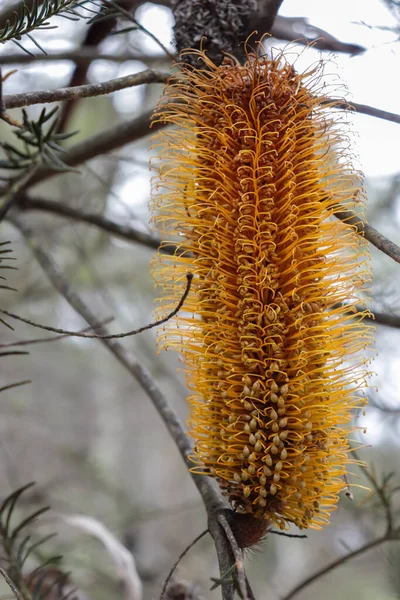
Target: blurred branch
266,16
381,491
125,232
14,189
164,590
392,533
125,13
211,498
299,30
84,55
84,91
122,558
95,34
338,562
125,133
385,319
134,235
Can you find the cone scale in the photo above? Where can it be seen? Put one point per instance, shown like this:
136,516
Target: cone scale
250,176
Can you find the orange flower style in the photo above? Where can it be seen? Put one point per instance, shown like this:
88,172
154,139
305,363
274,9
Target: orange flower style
250,177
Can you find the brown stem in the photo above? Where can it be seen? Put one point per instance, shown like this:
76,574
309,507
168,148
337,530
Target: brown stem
372,235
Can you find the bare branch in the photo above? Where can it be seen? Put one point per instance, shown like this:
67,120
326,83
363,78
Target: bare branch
82,55
128,16
176,563
367,110
122,558
14,189
337,563
299,30
385,319
92,336
49,339
204,485
13,385
102,143
372,235
122,231
379,489
95,34
84,91
266,15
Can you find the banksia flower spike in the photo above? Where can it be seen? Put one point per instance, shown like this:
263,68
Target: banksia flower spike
250,179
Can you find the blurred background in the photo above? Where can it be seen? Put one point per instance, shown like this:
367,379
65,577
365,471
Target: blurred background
83,429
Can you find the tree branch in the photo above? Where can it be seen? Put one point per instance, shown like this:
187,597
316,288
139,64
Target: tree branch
124,232
294,28
372,235
125,13
211,498
337,563
266,15
364,109
84,55
84,91
385,319
134,235
95,34
112,336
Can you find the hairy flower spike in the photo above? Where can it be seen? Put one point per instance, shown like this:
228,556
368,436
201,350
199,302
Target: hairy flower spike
249,181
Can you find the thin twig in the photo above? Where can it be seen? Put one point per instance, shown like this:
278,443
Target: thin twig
298,536
127,15
125,232
385,501
14,385
50,339
92,336
337,563
84,91
176,563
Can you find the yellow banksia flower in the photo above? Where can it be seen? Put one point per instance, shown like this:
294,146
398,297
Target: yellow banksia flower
250,177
